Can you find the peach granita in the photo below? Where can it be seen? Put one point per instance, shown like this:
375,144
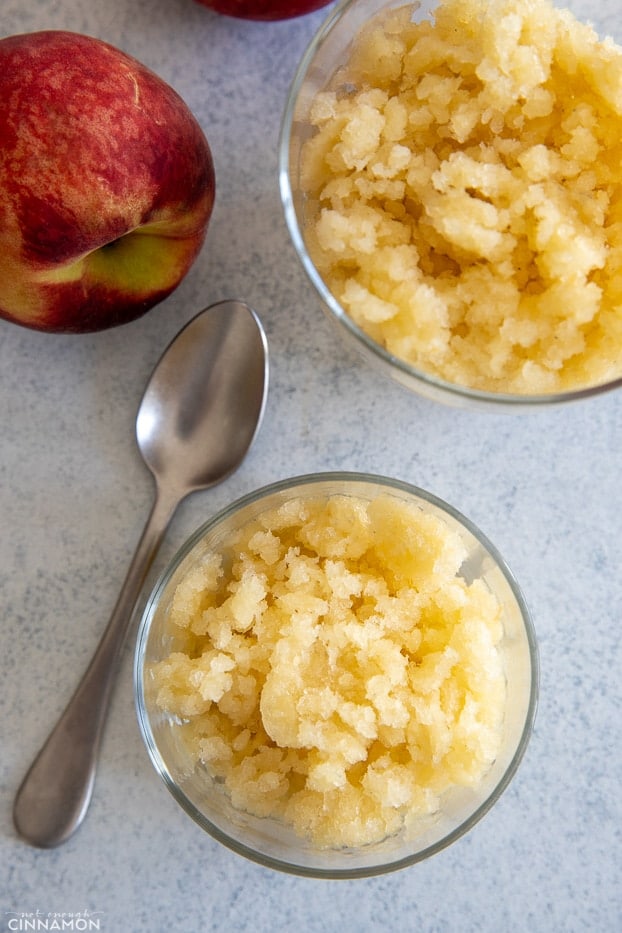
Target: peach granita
333,669
463,193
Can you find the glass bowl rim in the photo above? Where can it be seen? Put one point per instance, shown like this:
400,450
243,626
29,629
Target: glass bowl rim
437,386
290,484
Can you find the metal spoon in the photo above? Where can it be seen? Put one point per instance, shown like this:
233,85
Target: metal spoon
199,415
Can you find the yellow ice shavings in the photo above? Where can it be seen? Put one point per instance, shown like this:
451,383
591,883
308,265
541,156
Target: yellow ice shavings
341,675
463,189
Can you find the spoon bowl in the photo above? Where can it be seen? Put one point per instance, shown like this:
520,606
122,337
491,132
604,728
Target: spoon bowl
200,411
198,417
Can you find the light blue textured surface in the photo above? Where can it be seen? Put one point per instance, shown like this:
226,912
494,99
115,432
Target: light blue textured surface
545,487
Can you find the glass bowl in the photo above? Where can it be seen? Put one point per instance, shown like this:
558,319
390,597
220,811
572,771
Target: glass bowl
327,53
269,841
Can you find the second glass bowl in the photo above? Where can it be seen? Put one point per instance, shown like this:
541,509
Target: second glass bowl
327,53
270,841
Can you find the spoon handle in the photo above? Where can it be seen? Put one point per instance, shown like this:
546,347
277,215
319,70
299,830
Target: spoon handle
55,794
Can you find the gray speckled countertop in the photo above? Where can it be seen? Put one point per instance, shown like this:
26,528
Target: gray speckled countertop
74,495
